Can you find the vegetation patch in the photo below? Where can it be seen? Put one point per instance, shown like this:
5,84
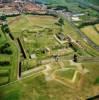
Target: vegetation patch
97,27
91,33
66,73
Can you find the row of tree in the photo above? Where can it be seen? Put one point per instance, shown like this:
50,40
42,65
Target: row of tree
4,63
5,49
87,23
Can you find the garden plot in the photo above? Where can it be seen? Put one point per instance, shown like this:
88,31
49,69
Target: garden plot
91,33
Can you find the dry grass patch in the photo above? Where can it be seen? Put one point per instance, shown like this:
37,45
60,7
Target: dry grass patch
97,26
90,32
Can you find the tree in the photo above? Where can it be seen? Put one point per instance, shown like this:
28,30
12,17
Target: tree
75,58
5,28
61,21
3,17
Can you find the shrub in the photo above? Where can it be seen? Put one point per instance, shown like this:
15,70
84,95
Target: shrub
4,63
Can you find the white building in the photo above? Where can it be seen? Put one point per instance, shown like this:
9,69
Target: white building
75,19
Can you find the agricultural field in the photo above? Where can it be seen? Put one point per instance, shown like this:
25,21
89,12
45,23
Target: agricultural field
91,33
97,27
34,24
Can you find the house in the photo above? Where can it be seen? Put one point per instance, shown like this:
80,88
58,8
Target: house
76,18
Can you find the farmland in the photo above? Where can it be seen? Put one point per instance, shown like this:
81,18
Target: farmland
97,27
91,33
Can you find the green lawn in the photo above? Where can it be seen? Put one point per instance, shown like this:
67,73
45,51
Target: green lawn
66,74
30,22
3,80
4,72
93,71
29,64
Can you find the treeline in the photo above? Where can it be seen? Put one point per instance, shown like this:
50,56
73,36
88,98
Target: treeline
4,63
5,28
49,14
5,49
87,23
59,7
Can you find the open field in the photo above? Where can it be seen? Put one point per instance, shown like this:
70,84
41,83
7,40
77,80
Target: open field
37,88
91,33
66,73
97,27
33,28
32,24
36,34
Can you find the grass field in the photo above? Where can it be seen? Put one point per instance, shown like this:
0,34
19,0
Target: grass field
2,37
32,23
91,33
29,64
37,88
69,73
41,28
97,27
36,32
